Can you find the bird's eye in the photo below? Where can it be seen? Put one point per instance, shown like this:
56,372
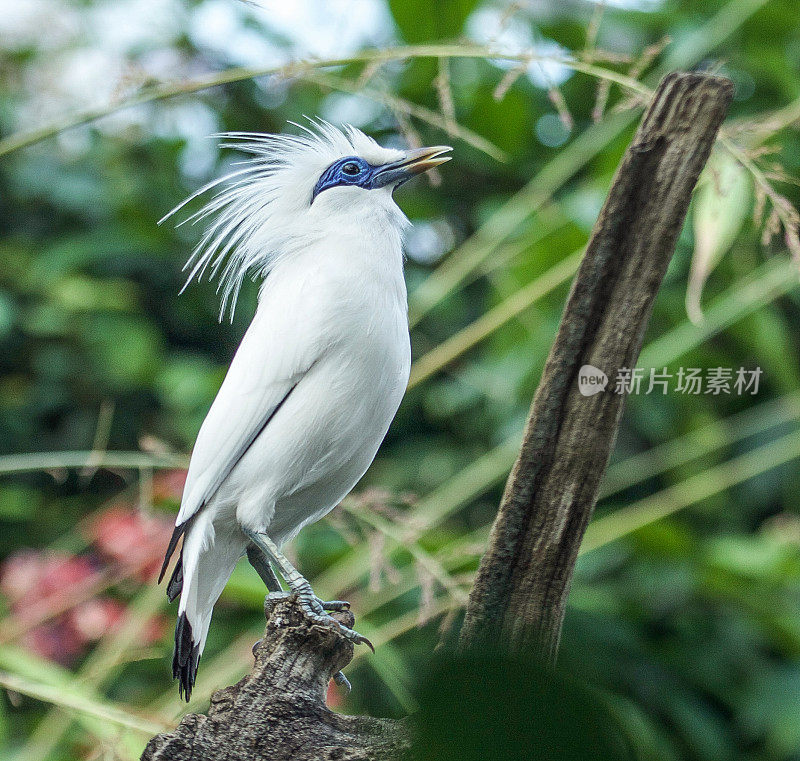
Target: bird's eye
351,168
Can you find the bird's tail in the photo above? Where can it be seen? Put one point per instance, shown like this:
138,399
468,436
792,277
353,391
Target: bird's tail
206,562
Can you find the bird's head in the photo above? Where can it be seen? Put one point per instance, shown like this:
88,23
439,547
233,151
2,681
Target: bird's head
294,190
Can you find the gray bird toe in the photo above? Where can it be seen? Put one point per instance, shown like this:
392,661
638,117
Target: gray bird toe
334,605
340,679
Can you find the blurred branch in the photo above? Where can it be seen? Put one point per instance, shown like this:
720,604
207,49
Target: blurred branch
39,461
712,481
523,581
672,454
450,126
448,351
102,430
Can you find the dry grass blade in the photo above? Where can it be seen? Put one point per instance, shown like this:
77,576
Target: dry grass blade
626,520
556,97
64,699
401,105
444,90
783,216
420,555
592,30
292,70
600,100
467,338
508,80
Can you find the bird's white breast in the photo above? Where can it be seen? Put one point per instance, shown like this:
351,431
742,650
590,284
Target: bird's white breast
343,300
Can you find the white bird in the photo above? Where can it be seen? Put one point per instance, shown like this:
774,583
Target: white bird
320,372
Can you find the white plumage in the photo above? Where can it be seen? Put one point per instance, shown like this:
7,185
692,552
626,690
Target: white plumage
321,370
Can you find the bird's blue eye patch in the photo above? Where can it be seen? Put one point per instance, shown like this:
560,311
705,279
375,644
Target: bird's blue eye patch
351,170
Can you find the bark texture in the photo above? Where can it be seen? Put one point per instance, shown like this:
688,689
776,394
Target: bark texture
278,711
519,596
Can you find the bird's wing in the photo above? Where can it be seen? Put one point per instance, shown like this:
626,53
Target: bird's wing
262,375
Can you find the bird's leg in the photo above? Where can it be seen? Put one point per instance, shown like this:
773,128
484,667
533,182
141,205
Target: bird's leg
261,563
314,608
263,568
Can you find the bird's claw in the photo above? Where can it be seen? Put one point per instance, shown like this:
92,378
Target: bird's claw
316,610
342,681
345,631
356,638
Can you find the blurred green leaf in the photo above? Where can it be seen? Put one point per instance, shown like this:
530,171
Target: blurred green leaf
418,24
18,502
126,351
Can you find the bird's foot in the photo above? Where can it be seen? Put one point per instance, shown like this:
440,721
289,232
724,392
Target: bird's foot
322,605
332,605
316,611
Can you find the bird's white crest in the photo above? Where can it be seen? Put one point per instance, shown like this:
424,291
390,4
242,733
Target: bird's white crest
263,210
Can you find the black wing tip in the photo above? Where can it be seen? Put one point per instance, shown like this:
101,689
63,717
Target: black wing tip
175,584
177,533
185,658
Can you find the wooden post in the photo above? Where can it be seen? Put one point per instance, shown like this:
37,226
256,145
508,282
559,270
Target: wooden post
522,585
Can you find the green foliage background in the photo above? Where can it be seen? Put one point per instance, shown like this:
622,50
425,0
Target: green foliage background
685,610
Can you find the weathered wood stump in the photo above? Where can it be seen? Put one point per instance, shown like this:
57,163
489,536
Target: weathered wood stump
278,710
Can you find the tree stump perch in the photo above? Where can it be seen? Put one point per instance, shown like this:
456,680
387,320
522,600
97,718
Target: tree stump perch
278,711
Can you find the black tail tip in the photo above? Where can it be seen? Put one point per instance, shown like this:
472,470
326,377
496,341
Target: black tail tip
185,658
